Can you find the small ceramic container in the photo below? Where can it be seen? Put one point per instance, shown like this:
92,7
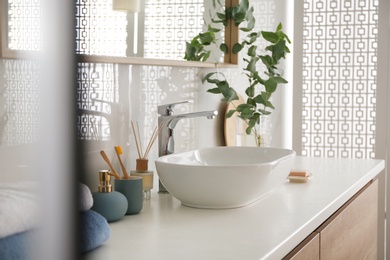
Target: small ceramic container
133,191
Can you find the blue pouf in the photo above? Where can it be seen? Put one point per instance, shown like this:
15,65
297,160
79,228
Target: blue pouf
94,230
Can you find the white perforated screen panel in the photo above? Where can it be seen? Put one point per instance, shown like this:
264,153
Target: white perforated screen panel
339,78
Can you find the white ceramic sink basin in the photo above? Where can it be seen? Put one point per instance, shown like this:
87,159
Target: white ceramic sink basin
224,177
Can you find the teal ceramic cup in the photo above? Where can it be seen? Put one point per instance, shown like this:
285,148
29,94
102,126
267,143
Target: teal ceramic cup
132,189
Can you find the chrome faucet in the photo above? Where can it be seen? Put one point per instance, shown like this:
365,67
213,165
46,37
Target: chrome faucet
167,121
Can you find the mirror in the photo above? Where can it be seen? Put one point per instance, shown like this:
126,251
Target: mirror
156,35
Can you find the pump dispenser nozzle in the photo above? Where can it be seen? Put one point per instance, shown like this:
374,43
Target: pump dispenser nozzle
104,181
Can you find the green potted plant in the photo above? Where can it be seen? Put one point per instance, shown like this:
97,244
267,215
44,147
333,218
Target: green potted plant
261,86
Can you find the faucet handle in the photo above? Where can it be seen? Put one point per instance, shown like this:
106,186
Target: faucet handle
167,109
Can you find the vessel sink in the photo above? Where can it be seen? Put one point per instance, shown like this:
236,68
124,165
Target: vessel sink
224,177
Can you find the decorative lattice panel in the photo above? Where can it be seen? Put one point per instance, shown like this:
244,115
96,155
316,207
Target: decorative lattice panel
19,99
169,24
97,91
264,12
339,77
24,25
99,30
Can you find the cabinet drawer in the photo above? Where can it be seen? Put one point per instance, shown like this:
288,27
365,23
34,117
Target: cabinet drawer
351,233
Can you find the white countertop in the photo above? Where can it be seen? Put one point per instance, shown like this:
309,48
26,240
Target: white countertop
267,229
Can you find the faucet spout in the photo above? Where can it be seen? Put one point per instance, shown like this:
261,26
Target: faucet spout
174,119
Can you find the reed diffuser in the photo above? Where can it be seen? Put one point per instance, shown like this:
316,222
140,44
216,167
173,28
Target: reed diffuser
141,168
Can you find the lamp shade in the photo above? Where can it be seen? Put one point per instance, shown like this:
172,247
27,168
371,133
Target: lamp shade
132,6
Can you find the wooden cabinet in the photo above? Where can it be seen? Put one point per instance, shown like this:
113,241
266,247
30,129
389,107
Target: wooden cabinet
350,233
309,249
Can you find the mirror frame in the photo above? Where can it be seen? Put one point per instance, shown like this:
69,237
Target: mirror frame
230,59
4,51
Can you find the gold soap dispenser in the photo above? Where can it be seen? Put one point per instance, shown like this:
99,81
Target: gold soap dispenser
111,204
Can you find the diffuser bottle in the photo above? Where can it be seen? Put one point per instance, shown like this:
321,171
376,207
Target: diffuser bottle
141,168
147,176
109,203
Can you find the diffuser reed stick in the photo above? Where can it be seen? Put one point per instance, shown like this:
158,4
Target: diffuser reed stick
136,140
152,140
137,137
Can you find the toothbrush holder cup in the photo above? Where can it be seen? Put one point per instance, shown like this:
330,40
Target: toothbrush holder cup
133,191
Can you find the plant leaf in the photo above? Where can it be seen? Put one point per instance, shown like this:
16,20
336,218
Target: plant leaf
247,113
229,94
282,35
279,27
252,64
248,130
208,75
244,4
243,106
237,48
252,50
222,84
214,81
278,50
221,16
214,90
250,91
260,100
269,104
267,60
230,113
253,37
270,36
264,112
214,30
251,21
205,55
270,85
223,47
251,102
250,25
190,52
207,38
238,17
254,120
280,80
266,95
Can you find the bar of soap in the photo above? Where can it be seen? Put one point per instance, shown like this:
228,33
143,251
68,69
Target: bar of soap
299,176
299,173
